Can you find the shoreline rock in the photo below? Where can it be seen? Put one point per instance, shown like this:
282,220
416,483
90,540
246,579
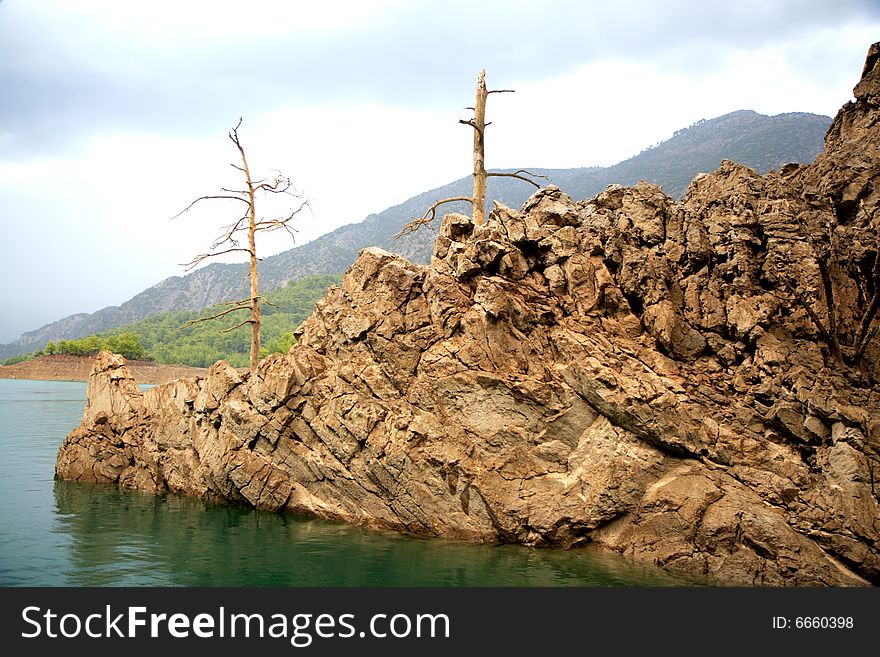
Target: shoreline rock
651,376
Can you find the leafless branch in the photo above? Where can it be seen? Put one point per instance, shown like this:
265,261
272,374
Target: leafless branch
280,185
518,176
533,175
268,225
204,256
290,215
501,91
235,326
472,123
228,234
242,304
428,218
233,135
209,197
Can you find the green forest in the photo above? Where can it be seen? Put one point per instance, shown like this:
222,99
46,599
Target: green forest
164,339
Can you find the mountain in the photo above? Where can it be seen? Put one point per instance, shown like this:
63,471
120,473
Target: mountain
755,140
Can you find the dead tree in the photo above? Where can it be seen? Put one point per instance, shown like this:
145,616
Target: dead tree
478,198
249,224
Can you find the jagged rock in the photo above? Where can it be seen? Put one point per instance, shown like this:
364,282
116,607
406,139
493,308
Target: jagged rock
663,379
112,390
676,336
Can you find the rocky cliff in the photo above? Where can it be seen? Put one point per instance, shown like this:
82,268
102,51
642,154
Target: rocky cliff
694,383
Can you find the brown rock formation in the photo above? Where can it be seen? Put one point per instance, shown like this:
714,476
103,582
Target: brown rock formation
682,382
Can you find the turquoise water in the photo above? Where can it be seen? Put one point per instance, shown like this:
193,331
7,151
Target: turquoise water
65,534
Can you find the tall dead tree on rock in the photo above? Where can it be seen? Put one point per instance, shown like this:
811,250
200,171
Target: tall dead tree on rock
478,198
248,225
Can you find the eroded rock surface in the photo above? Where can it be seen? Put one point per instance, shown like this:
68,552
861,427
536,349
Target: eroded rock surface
661,378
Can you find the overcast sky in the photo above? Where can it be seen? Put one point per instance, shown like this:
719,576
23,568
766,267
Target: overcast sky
114,115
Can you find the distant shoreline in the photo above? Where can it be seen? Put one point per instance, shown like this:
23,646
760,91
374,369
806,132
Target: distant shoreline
77,368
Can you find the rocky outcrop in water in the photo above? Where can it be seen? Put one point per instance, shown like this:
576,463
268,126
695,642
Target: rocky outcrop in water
693,383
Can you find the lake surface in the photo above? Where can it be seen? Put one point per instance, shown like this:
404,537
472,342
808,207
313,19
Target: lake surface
65,534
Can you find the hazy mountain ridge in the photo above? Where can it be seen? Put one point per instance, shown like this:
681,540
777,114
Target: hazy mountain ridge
758,141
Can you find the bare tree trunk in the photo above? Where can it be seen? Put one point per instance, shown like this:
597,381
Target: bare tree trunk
255,302
252,249
479,124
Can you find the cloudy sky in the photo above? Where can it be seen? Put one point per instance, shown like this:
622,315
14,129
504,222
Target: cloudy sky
114,115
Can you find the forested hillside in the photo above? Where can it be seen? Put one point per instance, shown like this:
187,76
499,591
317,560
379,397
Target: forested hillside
163,338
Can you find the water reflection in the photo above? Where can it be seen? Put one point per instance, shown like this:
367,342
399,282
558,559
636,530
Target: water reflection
131,538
